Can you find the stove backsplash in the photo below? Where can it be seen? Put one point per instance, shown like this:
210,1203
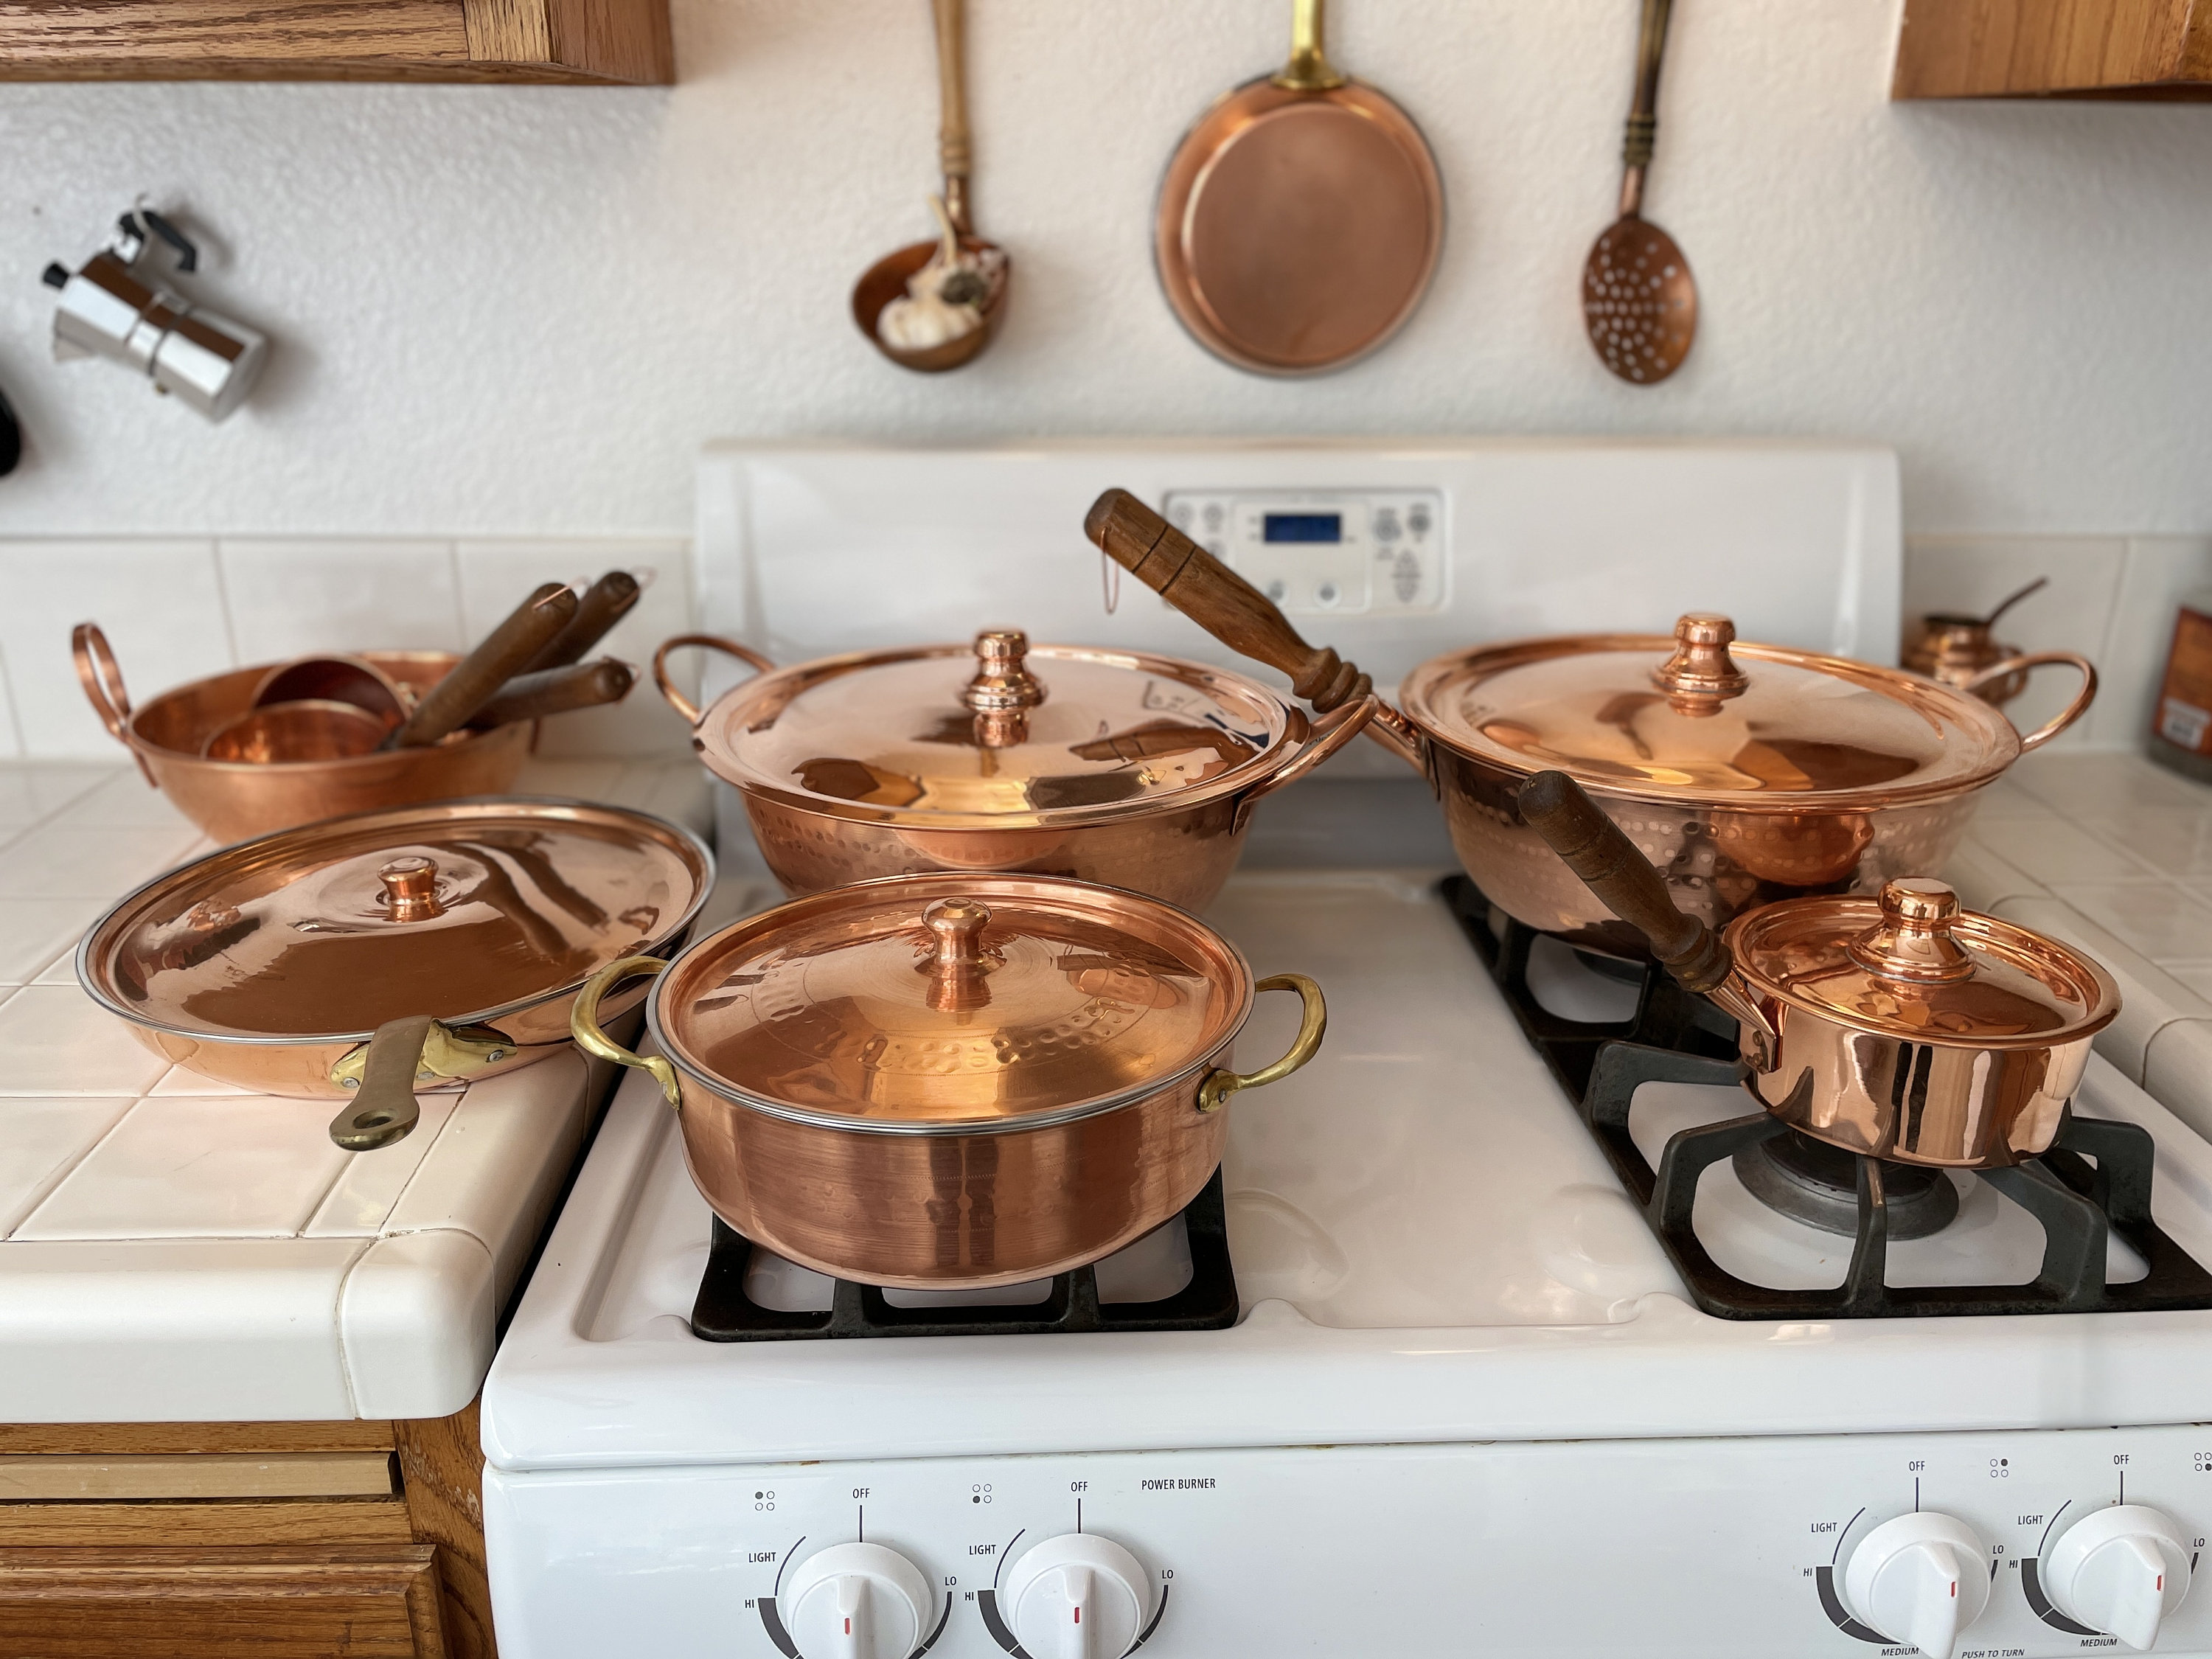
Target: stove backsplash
177,608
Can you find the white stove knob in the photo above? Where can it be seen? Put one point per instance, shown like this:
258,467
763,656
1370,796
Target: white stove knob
857,1602
2120,1570
1919,1579
1076,1596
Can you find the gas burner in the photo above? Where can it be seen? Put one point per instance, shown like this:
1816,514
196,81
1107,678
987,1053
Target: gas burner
724,1312
2094,1181
1811,1181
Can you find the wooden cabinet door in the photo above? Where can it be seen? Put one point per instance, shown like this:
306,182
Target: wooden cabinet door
363,1601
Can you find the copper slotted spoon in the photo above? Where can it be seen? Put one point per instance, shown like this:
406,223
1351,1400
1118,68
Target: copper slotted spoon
1639,300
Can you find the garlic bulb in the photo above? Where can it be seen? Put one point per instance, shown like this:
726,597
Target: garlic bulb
943,299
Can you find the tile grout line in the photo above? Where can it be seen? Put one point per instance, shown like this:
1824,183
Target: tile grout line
223,598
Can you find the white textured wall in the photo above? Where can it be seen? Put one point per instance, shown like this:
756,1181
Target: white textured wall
521,311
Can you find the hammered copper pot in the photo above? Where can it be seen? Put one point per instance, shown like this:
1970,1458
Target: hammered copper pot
947,1080
1122,767
1745,773
231,800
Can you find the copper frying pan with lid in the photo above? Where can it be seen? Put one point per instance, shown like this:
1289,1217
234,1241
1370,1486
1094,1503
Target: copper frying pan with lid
1300,220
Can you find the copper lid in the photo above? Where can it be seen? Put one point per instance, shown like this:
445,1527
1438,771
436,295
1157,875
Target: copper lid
950,1003
1913,964
996,734
1701,717
463,908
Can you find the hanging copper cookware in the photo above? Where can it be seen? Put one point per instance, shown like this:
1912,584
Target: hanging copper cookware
1901,1026
1300,220
1134,770
365,958
951,1081
1745,773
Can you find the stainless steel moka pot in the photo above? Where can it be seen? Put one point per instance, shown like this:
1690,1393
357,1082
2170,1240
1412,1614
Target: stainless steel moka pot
110,309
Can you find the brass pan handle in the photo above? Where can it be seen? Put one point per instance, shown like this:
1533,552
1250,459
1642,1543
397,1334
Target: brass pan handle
1220,1084
102,679
682,704
2031,741
584,1013
404,1054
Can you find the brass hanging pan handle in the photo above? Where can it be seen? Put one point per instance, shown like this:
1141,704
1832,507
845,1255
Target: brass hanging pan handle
584,1021
1219,1085
675,698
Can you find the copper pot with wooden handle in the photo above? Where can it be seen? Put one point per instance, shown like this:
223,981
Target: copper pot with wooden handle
1745,773
1902,1026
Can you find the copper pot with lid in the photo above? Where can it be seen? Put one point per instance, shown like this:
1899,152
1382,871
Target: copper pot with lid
1745,773
1902,1026
951,1079
365,958
1122,767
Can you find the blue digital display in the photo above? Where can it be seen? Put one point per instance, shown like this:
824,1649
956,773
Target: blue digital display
1304,527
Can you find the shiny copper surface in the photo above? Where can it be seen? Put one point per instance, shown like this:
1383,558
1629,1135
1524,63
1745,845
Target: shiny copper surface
944,1081
1300,220
1124,769
269,962
1909,1029
230,800
314,728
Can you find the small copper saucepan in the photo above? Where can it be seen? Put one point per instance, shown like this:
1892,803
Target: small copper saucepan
365,958
1900,1026
951,1081
1116,767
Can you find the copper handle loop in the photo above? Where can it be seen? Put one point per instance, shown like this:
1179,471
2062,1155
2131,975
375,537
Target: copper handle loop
584,1023
1329,734
1220,1083
2031,741
682,704
102,679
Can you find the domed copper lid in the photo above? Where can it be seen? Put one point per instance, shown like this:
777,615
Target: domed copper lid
999,734
463,908
1703,718
951,1003
1914,964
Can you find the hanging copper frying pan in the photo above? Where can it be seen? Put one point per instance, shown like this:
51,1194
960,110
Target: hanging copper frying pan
1300,220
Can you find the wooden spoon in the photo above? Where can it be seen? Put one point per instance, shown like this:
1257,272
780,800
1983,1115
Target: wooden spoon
886,280
1639,300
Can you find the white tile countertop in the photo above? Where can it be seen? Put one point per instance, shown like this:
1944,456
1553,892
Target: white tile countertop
2114,854
172,1249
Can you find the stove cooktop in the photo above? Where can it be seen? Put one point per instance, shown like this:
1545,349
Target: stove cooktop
1427,1242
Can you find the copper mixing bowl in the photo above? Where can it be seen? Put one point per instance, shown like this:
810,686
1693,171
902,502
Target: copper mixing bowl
231,800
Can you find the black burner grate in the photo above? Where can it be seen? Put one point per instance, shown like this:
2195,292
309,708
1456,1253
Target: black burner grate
724,1313
1677,1038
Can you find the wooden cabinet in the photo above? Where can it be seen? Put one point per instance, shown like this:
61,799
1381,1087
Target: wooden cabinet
2114,49
272,1538
579,42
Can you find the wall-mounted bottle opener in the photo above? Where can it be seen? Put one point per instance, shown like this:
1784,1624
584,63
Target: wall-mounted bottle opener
110,309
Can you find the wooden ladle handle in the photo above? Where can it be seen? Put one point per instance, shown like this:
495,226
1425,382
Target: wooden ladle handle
1593,845
1217,599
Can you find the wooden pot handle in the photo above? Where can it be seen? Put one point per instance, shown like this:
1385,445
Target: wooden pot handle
605,603
557,690
453,700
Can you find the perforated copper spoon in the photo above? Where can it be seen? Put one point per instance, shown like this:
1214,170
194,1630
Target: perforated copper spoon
1639,300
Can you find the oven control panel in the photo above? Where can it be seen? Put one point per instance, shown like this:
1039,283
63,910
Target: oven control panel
1325,552
1957,1546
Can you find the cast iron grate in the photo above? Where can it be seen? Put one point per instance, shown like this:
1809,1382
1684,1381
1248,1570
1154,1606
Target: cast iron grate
1677,1038
724,1313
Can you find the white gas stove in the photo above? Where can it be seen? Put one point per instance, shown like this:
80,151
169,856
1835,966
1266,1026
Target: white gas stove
1470,1406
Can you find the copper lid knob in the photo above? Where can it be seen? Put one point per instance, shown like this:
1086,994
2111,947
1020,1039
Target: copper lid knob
1701,676
957,967
1912,941
410,888
1002,680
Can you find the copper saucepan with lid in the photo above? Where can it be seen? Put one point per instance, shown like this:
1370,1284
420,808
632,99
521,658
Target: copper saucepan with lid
1900,1026
1745,773
365,958
1122,767
951,1079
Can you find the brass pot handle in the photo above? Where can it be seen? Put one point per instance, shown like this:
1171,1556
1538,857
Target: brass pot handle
402,1056
2030,741
584,1017
101,678
1329,734
1220,1084
682,704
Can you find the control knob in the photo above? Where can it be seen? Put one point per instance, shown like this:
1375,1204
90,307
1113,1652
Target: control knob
2120,1570
1920,1579
1076,1596
858,1601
